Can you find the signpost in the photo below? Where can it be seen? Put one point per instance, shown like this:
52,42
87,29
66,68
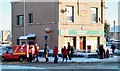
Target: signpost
47,31
46,38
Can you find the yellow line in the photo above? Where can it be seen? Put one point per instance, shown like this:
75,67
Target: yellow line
15,50
18,53
15,53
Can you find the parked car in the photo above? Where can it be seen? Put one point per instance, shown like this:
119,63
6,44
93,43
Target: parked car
41,52
117,44
108,45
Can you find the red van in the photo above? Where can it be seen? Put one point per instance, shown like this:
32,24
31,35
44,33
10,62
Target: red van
16,53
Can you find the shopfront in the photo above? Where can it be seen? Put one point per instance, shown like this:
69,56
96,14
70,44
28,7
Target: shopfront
82,40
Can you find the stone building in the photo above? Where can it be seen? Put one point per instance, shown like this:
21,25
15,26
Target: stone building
78,22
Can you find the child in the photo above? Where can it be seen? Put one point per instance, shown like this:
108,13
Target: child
107,53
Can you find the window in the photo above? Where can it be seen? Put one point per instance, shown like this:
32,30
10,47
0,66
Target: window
20,20
10,50
94,15
70,14
31,18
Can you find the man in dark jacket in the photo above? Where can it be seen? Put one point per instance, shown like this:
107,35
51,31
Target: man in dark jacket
69,51
113,48
46,50
101,52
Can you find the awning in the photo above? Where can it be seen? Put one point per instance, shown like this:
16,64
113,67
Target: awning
31,35
27,36
23,37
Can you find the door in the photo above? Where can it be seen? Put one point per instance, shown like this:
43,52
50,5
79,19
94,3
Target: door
9,55
74,42
82,43
98,41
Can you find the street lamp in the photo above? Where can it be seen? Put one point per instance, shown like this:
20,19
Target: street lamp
47,31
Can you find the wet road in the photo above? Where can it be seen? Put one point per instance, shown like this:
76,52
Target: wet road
42,65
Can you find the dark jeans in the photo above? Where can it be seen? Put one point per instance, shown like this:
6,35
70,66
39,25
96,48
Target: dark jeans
113,51
46,57
30,57
36,56
69,56
64,57
55,58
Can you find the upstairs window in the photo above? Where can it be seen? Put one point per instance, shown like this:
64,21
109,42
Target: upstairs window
70,13
20,20
94,15
31,18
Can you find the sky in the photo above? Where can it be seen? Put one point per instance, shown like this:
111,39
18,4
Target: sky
5,13
111,13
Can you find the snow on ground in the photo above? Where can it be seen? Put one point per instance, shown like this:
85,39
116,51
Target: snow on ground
117,51
111,59
18,67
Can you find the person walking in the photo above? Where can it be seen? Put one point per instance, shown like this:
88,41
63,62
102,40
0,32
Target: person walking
113,48
72,51
65,53
55,52
101,52
107,54
46,50
62,51
69,51
30,54
36,51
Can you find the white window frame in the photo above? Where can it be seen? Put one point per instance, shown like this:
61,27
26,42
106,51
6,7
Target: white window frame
94,14
70,13
20,20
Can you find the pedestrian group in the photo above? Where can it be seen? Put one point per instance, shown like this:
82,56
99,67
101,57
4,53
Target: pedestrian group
67,52
33,52
104,54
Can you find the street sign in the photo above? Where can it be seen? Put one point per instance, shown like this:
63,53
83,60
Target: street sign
46,37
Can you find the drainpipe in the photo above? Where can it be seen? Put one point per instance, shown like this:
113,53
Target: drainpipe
24,18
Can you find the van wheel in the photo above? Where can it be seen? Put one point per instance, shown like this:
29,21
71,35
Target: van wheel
3,58
21,59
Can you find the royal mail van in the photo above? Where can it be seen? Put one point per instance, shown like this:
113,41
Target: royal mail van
19,52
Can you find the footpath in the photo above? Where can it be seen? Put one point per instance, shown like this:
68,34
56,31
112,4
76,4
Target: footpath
83,59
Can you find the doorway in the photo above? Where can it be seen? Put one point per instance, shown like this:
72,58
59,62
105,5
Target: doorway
82,43
98,42
74,42
71,40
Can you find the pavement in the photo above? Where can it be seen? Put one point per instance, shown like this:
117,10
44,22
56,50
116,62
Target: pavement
76,64
83,59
